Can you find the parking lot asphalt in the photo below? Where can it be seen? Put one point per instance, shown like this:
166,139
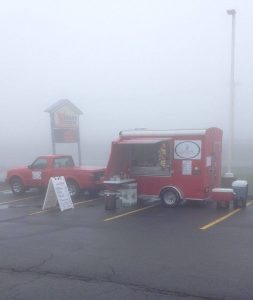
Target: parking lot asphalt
148,252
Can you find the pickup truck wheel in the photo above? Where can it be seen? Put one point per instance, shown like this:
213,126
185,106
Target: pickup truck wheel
17,186
73,188
170,198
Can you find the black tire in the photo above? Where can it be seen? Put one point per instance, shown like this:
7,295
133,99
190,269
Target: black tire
17,186
73,188
170,198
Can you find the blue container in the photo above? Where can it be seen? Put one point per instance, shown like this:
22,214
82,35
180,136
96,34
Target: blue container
240,188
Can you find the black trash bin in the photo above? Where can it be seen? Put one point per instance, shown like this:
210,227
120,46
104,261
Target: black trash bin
240,188
110,200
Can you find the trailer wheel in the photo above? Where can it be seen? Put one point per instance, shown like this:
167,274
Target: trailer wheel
17,186
170,198
73,187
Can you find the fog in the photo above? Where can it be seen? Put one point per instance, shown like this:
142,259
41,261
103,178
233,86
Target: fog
125,64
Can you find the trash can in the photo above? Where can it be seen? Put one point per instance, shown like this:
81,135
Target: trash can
240,188
110,200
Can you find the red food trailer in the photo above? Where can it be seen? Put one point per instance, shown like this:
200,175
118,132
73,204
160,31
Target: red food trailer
173,165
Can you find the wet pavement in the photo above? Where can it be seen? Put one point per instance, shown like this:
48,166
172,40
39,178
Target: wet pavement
147,252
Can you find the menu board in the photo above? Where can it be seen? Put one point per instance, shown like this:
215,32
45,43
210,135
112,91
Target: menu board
57,192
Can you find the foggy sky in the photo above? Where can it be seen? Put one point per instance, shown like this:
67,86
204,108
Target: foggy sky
159,64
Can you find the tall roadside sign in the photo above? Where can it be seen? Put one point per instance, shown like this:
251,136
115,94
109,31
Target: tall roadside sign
64,118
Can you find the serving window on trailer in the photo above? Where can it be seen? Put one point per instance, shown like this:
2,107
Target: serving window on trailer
145,157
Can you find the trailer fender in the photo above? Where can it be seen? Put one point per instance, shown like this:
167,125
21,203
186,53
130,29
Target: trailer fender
172,188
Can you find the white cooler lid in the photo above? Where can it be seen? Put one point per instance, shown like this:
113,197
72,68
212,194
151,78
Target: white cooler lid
240,183
222,190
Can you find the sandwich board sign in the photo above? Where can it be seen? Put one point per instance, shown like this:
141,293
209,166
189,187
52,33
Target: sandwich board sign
57,192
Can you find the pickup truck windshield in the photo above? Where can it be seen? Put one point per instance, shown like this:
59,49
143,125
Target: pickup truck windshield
40,163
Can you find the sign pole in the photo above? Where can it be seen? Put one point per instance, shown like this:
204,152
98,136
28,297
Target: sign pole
79,147
52,132
229,176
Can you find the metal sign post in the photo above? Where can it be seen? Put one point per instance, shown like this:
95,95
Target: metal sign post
52,132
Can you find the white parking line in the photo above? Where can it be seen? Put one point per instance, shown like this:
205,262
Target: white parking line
6,192
54,208
20,199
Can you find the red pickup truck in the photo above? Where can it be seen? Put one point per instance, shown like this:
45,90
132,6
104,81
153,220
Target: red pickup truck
39,172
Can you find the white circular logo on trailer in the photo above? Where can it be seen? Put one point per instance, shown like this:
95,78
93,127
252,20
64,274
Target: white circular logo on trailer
187,149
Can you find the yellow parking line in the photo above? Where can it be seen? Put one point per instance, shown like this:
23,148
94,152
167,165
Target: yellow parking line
42,211
220,219
16,200
86,201
129,213
223,218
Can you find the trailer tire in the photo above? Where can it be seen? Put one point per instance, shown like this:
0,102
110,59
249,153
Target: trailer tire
73,187
170,198
17,186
